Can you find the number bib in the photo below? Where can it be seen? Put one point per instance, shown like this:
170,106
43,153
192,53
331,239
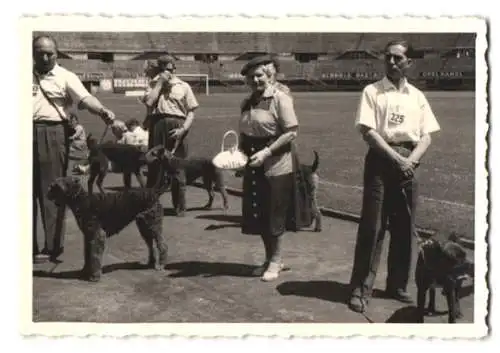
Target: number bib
396,116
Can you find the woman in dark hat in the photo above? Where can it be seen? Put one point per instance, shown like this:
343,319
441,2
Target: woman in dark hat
274,199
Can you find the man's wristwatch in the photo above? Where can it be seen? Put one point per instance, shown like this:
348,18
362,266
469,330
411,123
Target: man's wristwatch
102,112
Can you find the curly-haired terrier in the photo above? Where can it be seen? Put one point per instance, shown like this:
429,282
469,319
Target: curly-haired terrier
100,216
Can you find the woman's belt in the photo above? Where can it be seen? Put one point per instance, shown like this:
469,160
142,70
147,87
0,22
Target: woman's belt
251,144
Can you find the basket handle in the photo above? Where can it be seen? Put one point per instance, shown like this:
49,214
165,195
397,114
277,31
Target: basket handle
230,132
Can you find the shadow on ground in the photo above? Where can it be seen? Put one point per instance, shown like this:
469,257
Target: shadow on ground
230,221
210,269
77,274
332,291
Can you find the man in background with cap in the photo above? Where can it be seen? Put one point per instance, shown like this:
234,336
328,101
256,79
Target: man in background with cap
171,104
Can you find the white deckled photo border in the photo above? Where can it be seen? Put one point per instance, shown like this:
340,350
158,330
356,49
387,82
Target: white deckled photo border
69,22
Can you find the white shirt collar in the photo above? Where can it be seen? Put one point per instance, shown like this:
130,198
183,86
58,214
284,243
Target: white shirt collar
388,85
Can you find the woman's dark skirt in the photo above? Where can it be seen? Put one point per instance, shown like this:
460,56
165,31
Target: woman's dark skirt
274,204
266,201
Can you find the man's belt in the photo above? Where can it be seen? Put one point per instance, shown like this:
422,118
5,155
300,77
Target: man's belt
157,116
50,122
405,144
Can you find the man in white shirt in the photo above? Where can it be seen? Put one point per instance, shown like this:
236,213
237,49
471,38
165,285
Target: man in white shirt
395,120
55,90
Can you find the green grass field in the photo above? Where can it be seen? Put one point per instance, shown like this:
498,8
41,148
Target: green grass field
327,125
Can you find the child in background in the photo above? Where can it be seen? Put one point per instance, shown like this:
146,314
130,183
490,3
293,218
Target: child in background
141,136
78,144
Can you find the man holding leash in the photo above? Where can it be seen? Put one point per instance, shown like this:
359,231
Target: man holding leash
395,120
55,89
171,104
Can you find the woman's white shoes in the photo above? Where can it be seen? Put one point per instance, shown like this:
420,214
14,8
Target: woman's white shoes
272,272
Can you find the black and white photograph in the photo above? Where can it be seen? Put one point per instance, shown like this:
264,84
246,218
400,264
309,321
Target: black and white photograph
282,175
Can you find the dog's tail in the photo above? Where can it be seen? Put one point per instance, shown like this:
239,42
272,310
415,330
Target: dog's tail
315,164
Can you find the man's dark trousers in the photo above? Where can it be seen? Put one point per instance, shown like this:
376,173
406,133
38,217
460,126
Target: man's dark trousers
388,204
50,161
159,134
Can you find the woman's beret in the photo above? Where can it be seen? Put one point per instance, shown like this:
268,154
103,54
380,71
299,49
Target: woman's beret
259,60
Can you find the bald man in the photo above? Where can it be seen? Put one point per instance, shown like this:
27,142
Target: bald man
55,90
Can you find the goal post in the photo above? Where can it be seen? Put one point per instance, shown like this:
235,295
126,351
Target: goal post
203,77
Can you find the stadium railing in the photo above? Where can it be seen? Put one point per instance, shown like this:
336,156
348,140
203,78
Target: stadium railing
235,43
183,42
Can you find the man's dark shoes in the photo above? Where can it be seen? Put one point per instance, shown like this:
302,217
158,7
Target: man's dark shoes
41,258
358,303
399,294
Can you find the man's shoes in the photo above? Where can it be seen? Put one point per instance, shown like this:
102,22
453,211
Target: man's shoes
400,295
358,303
41,258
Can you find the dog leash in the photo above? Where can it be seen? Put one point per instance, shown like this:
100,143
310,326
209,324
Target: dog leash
370,321
104,133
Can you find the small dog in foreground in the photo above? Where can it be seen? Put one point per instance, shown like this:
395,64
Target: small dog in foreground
99,216
441,264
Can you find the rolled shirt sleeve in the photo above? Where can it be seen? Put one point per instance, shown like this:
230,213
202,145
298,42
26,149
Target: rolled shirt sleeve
191,103
365,114
429,121
286,111
75,88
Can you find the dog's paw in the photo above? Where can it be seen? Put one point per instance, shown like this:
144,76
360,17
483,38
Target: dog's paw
318,229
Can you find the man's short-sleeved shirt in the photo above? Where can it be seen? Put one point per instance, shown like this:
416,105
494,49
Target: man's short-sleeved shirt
402,115
177,100
63,87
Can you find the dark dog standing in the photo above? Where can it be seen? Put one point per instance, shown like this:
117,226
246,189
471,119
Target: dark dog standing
312,180
128,159
440,265
98,165
100,216
194,168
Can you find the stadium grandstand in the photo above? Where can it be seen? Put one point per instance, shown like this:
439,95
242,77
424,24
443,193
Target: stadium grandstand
115,61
